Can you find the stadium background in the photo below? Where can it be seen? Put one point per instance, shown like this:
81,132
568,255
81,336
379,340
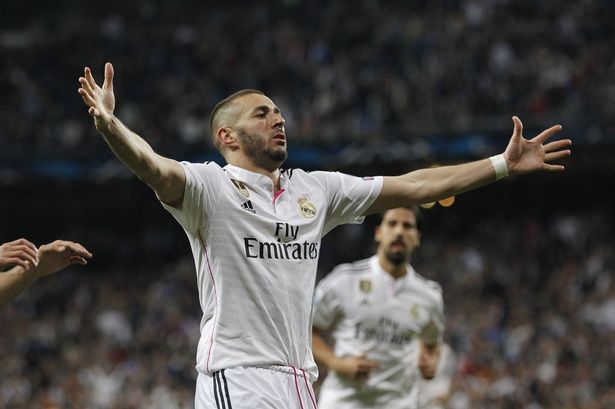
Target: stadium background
367,87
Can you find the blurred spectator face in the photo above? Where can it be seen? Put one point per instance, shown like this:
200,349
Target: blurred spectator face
397,235
260,131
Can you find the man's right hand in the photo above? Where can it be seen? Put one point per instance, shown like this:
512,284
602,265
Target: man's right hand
101,101
60,254
18,253
355,367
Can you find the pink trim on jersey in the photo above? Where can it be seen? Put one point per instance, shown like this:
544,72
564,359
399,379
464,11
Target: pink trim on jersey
213,282
277,194
309,389
297,387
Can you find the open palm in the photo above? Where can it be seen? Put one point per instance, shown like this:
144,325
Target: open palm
525,156
100,100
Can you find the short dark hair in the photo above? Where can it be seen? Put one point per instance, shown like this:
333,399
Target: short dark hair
418,215
225,103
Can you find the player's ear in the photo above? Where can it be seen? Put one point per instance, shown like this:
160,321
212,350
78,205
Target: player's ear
377,234
225,137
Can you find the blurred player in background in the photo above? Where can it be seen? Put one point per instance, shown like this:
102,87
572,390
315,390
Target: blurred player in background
22,263
385,320
255,232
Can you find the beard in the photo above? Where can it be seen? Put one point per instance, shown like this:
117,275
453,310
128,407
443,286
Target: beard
259,153
396,257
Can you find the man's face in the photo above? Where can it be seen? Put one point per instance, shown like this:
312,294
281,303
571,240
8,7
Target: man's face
260,131
397,235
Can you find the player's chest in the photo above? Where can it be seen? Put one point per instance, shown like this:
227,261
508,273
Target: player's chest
288,215
379,304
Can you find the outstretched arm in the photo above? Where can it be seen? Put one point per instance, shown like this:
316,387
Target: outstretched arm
14,281
165,176
429,185
52,257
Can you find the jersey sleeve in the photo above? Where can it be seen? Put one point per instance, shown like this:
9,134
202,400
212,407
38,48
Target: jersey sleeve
327,305
348,197
200,195
433,332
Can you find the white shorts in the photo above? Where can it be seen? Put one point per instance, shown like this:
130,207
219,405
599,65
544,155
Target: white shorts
269,387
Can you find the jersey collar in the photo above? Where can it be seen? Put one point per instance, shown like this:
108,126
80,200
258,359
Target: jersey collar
250,177
377,268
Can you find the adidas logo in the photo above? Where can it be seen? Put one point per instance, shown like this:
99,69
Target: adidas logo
248,206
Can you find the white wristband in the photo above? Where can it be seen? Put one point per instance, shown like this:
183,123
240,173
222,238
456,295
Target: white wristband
500,166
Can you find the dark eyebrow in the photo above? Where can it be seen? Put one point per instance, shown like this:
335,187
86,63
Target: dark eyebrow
266,109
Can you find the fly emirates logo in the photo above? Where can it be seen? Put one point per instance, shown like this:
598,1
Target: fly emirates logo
285,247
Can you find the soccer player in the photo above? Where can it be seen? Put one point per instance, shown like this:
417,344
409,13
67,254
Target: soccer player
255,233
386,322
25,264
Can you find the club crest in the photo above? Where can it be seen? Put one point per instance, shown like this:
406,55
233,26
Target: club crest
307,209
365,286
415,312
243,189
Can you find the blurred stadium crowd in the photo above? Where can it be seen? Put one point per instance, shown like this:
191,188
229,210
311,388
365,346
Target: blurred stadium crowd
531,311
530,299
341,71
530,316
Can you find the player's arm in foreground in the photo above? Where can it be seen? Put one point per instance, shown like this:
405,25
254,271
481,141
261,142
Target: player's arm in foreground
51,258
429,185
352,367
165,176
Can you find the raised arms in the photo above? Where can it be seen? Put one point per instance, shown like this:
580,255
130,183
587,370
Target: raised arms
165,176
429,185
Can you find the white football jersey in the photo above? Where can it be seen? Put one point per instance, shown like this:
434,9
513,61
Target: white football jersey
372,313
256,257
